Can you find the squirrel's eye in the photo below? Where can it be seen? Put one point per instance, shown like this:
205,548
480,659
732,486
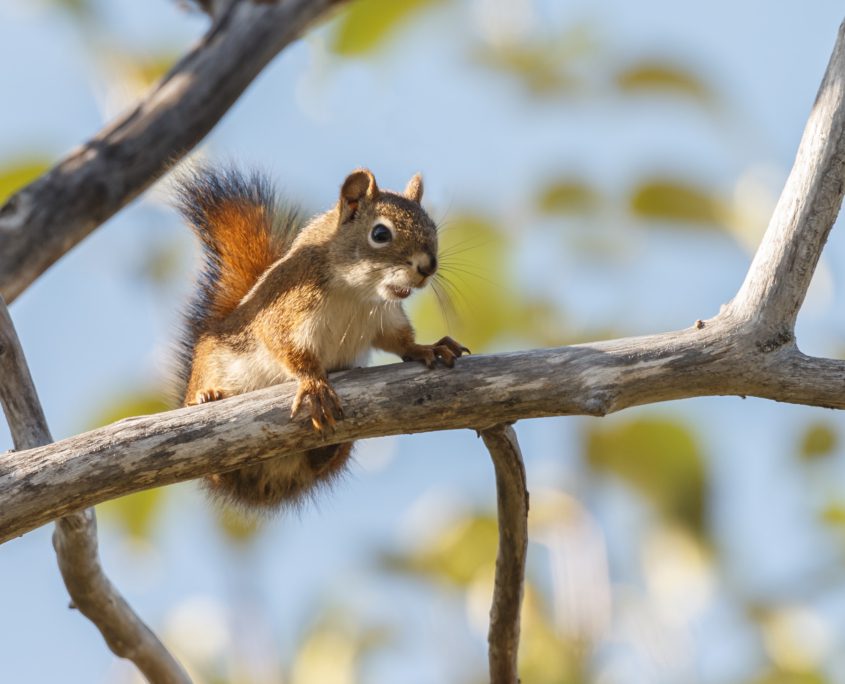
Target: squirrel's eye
380,235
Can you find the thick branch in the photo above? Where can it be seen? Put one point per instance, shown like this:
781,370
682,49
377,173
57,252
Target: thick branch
138,453
512,501
75,537
47,218
783,266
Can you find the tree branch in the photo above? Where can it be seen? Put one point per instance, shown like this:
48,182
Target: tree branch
512,503
481,391
75,537
51,215
806,211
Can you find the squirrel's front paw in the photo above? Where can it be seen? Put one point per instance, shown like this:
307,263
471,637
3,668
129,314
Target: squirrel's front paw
447,350
323,403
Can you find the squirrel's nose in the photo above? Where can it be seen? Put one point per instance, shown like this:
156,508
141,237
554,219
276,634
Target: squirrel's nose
427,265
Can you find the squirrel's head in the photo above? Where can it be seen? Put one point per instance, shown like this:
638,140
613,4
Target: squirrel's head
385,243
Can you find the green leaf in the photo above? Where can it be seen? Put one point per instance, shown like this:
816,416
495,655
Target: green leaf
658,76
568,196
456,556
16,174
365,25
819,440
658,457
664,199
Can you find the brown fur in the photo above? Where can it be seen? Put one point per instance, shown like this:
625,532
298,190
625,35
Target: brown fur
335,294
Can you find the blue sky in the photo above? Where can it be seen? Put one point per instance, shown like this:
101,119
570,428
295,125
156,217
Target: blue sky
93,332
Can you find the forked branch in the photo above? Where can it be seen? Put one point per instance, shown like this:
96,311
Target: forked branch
75,536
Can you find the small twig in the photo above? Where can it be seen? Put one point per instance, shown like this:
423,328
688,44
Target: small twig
75,537
512,502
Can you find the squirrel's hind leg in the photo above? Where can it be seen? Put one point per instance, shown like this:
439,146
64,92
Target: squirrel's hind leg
207,395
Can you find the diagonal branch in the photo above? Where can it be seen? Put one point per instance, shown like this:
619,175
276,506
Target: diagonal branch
75,537
512,501
806,211
50,216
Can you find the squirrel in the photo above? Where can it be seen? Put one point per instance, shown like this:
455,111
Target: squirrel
279,298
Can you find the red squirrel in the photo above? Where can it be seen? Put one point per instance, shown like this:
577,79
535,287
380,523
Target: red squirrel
279,298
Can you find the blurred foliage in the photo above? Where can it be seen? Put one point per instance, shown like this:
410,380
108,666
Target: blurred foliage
237,526
474,294
365,25
161,263
332,651
546,657
136,513
665,77
664,199
455,556
819,440
567,196
658,457
787,677
543,66
17,173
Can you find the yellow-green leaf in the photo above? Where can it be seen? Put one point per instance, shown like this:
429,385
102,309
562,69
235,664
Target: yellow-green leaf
664,199
365,25
568,196
455,556
20,172
819,439
663,77
658,457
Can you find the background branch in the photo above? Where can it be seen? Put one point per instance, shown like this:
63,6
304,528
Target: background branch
512,504
75,536
48,217
806,211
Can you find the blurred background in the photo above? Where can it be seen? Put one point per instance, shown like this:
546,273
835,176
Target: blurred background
601,169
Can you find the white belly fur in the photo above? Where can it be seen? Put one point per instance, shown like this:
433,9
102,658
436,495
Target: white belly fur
340,337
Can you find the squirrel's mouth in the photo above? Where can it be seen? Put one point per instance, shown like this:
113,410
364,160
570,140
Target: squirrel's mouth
399,292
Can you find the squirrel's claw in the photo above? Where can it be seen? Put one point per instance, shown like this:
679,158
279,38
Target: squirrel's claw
323,404
205,396
445,350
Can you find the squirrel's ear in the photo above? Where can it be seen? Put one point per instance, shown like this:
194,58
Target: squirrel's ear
414,189
359,186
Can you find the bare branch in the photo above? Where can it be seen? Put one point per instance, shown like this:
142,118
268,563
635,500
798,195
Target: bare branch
48,217
512,501
75,542
783,266
75,537
139,453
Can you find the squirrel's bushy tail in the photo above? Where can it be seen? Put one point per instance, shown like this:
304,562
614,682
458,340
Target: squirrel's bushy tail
243,230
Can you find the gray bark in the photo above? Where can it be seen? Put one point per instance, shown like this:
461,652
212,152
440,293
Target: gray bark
51,215
75,536
512,505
